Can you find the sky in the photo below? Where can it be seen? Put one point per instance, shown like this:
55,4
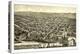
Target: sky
40,8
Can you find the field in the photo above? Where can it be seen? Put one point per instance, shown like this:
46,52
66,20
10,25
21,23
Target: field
44,30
